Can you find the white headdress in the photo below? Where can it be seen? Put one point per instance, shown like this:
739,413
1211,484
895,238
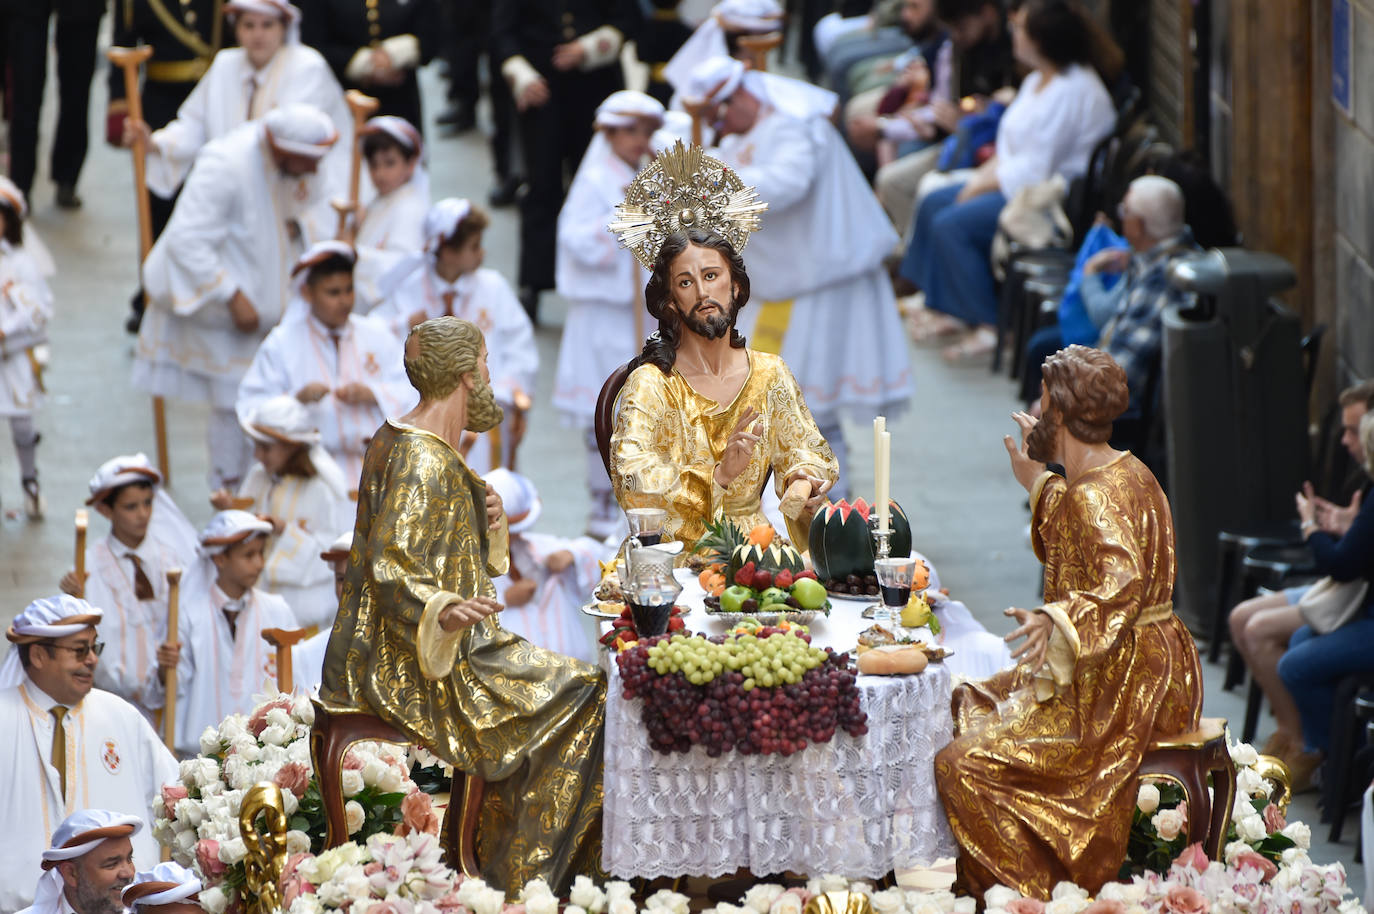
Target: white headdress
228,528
716,79
79,834
625,107
290,14
300,129
398,128
45,619
166,883
518,496
285,419
441,222
122,471
754,17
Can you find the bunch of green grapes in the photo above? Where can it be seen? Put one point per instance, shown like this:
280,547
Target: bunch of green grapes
780,658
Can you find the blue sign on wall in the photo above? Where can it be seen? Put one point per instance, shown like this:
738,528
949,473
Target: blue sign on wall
1340,54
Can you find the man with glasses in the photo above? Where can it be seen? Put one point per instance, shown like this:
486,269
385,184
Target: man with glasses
65,745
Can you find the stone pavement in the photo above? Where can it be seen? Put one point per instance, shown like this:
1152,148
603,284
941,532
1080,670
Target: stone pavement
949,468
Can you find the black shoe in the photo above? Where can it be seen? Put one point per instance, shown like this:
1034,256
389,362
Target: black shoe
529,300
506,191
135,318
67,198
457,118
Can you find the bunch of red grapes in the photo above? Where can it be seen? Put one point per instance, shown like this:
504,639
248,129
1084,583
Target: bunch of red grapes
721,714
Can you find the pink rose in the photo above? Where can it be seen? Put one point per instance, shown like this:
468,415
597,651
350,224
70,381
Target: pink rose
171,793
1273,819
449,904
351,762
1183,900
258,722
1104,906
417,815
511,909
1183,811
293,884
207,857
293,776
384,907
1266,867
372,868
1193,856
1026,906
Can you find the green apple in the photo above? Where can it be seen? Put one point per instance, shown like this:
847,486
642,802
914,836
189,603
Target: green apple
772,595
809,592
732,598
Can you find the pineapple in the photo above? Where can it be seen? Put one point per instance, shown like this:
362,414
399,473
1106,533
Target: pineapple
719,542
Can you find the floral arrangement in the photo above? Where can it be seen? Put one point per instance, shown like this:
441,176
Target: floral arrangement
198,818
1160,823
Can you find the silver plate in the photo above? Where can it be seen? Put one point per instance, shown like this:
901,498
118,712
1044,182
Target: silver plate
797,616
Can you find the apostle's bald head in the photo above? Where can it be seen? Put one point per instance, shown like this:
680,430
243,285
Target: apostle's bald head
445,354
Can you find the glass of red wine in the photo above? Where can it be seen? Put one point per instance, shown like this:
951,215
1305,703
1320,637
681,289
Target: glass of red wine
895,577
646,524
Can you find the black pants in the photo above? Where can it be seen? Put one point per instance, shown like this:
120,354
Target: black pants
555,136
467,26
27,51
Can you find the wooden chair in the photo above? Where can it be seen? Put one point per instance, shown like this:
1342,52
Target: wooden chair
604,418
336,729
1187,759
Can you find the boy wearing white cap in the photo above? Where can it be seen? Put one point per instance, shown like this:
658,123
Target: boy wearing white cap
392,225
89,865
269,68
168,888
602,281
217,279
346,368
550,577
298,488
126,574
449,279
65,745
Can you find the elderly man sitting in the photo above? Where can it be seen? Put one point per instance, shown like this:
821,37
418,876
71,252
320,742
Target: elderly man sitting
1128,314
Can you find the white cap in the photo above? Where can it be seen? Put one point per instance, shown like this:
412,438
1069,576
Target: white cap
45,619
281,419
79,834
228,528
11,194
300,129
166,883
518,496
122,471
340,548
708,40
287,11
398,128
624,108
752,16
443,220
716,79
319,252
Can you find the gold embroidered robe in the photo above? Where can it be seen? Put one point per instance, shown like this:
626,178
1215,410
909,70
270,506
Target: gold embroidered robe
668,439
1040,781
528,721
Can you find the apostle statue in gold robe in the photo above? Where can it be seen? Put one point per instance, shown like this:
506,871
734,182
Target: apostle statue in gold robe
1039,782
416,641
702,420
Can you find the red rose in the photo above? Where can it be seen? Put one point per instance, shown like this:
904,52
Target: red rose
293,776
1273,819
417,815
171,793
1183,900
351,762
1194,856
258,722
207,857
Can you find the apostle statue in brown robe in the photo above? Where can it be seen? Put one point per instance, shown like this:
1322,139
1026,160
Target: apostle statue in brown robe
1040,780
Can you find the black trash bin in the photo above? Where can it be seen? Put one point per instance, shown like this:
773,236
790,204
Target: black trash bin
1235,402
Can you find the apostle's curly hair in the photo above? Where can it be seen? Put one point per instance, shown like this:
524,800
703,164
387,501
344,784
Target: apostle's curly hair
439,353
660,349
1088,389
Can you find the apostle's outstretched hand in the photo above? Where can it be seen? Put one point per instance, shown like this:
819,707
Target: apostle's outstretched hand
467,612
1023,467
1035,628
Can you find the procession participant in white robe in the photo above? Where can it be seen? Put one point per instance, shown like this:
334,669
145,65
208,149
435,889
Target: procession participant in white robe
168,888
88,866
270,68
217,279
348,369
550,577
220,657
126,574
307,657
448,279
392,225
602,281
717,36
25,311
298,488
106,753
817,264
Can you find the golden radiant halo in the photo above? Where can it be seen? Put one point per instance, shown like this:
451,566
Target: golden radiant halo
685,188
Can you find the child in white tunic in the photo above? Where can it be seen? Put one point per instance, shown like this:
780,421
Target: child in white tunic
449,279
25,310
298,488
550,576
346,368
393,224
602,281
220,657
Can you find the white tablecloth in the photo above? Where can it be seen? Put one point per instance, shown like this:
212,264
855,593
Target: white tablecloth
858,806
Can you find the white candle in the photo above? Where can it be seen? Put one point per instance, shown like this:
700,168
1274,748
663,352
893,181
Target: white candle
884,490
879,426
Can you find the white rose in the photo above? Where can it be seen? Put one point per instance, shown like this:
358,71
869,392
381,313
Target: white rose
469,890
489,901
190,812
1251,829
1298,833
585,894
248,748
999,896
1244,755
761,897
616,905
353,813
209,741
237,773
356,885
574,909
278,717
787,903
1294,857
535,888
1069,904
185,843
297,842
1249,783
666,901
290,803
1168,823
303,710
542,904
299,751
273,757
392,780
924,907
278,736
618,888
234,800
1147,800
965,905
233,728
306,904
1233,850
1128,893
352,782
1069,890
232,851
889,901
373,771
833,883
940,899
213,900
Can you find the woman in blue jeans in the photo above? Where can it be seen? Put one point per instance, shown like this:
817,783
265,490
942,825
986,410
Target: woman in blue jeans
1059,114
1313,663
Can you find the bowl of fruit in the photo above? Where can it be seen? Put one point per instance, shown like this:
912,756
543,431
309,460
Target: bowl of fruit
756,574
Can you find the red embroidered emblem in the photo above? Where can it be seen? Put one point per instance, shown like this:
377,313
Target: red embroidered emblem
109,756
484,322
370,364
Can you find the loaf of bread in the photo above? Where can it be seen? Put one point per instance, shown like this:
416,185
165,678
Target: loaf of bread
892,660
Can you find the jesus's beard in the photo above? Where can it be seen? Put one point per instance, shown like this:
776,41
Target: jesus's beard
1040,442
484,413
716,325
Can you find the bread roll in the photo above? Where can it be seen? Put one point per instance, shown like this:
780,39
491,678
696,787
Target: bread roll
892,660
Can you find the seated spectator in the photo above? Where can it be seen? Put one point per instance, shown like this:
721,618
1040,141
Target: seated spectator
1129,313
865,63
1059,114
1261,627
1314,664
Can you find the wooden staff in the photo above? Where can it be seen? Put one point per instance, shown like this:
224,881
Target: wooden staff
758,46
129,60
169,682
283,639
82,520
363,107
